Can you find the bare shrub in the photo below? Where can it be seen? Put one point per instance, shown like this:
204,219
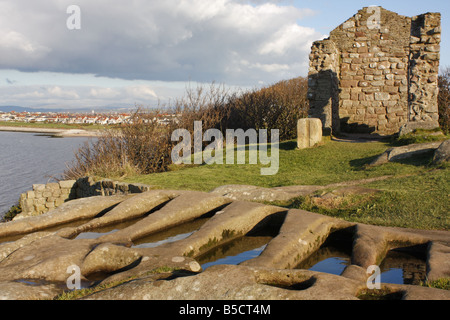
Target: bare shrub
444,100
275,107
141,146
144,145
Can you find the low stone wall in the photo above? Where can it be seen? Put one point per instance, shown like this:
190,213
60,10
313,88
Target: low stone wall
45,197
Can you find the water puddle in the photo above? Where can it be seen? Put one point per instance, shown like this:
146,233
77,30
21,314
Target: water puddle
163,241
333,256
235,252
244,248
96,233
33,282
403,268
170,235
328,259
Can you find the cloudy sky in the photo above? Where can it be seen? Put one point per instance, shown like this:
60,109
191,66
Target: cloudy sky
141,51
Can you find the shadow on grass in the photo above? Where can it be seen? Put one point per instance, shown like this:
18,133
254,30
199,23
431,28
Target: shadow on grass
361,164
420,160
288,145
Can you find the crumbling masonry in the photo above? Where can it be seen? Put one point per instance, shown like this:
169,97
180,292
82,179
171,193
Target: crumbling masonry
376,73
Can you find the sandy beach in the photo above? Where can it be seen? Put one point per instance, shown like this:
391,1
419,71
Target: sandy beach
65,133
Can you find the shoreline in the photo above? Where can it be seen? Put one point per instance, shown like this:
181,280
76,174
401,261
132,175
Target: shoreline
63,133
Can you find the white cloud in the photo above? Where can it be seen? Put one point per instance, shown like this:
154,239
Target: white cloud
83,96
236,42
103,93
141,92
274,67
29,95
15,40
172,40
289,37
57,92
17,49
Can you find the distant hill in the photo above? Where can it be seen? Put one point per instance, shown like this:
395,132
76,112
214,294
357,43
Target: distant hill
23,109
12,108
81,110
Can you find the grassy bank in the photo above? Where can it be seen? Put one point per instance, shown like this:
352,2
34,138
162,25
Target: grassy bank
415,196
330,163
419,201
43,125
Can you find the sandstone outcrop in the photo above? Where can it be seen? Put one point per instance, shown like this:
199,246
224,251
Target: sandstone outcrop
442,153
409,151
103,237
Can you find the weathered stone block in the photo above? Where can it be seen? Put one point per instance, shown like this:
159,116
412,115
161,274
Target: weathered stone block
68,184
47,194
411,126
349,83
38,187
52,186
442,154
122,187
50,205
309,132
364,83
27,205
378,83
59,202
31,195
382,96
40,208
56,193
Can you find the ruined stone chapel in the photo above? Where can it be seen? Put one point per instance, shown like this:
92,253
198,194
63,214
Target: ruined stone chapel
376,73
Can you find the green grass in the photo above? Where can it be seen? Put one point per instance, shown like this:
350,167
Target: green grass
443,283
13,211
330,163
421,136
384,293
418,201
415,196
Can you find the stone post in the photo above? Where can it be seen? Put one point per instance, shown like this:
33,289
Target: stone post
309,132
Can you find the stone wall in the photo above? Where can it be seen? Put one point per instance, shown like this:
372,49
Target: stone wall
323,83
376,73
424,67
44,197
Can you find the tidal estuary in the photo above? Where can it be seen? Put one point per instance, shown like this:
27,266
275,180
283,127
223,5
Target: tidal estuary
31,158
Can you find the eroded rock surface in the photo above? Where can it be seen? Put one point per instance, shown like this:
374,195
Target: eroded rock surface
138,245
442,153
405,152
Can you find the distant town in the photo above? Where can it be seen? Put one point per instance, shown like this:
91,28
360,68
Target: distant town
113,118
